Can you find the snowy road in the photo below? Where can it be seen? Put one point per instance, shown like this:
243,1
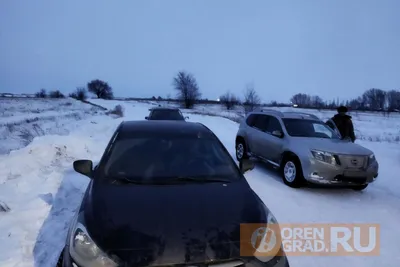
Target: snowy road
42,190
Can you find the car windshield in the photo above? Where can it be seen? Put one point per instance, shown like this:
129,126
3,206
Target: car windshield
308,128
166,115
163,159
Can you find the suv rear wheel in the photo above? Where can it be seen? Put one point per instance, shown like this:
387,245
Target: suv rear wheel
241,150
292,173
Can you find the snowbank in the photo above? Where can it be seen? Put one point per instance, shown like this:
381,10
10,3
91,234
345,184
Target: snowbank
21,119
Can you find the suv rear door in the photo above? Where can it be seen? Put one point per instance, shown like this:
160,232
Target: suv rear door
273,145
257,134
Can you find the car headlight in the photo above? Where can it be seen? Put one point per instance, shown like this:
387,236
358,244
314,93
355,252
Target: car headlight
270,239
84,251
324,157
371,158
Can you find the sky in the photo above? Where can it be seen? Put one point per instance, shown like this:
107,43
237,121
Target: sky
331,48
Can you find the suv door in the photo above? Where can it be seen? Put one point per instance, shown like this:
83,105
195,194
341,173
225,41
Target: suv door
257,133
274,145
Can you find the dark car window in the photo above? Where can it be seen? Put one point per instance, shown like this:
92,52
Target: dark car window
308,128
251,119
158,158
261,122
273,125
165,114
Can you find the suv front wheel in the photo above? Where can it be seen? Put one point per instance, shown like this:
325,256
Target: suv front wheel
292,173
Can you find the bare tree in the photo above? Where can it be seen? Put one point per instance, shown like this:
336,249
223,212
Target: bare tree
101,89
56,94
229,100
375,98
79,94
188,90
41,94
393,100
251,99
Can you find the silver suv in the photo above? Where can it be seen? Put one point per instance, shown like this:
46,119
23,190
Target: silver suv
304,148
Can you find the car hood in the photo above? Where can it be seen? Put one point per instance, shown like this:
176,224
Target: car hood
336,146
146,225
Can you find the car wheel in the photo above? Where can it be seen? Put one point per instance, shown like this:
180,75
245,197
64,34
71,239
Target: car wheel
360,187
292,173
241,150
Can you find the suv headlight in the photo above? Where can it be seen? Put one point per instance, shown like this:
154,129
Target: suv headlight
269,236
84,251
325,157
371,158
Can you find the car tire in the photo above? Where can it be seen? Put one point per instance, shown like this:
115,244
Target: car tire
241,150
292,173
359,187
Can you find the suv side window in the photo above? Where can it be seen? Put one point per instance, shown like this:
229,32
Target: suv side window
273,125
251,119
261,122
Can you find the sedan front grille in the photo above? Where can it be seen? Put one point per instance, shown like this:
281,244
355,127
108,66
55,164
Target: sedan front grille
353,162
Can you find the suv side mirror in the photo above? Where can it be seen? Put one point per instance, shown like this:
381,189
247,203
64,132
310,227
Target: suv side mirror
246,165
277,133
84,167
146,118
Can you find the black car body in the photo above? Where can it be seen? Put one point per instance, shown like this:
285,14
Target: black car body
133,214
165,113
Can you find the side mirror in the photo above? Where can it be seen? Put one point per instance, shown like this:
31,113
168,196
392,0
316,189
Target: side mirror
187,117
246,165
277,133
84,167
146,118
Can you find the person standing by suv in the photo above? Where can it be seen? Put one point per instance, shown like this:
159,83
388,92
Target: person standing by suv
343,123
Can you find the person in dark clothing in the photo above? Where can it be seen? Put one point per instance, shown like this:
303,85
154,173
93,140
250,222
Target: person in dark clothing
343,123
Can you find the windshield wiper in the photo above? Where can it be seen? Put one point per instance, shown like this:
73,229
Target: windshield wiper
199,179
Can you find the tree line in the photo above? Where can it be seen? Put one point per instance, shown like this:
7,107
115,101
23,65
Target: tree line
188,94
373,99
97,87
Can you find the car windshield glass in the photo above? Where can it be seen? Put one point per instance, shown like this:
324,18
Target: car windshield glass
308,128
166,115
159,159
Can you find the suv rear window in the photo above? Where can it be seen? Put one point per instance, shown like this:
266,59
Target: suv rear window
165,114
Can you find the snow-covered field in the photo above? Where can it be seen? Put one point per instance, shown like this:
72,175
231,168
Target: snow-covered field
38,184
22,119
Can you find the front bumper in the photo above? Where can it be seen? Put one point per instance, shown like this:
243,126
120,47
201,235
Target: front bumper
318,172
65,260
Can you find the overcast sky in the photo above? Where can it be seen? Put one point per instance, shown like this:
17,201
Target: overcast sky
333,48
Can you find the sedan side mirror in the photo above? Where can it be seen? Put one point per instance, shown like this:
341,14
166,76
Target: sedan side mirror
277,133
246,165
187,117
84,167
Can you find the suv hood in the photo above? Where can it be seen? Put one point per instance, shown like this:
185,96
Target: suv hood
145,225
336,146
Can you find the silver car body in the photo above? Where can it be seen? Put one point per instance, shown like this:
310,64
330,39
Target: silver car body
323,160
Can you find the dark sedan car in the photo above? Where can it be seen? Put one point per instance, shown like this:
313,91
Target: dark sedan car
166,113
165,193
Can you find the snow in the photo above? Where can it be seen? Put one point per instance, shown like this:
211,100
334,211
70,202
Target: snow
38,184
22,119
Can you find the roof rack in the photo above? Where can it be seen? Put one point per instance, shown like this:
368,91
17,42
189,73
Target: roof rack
276,112
302,113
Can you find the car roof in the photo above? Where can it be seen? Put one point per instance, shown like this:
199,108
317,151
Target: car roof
160,128
163,108
287,114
